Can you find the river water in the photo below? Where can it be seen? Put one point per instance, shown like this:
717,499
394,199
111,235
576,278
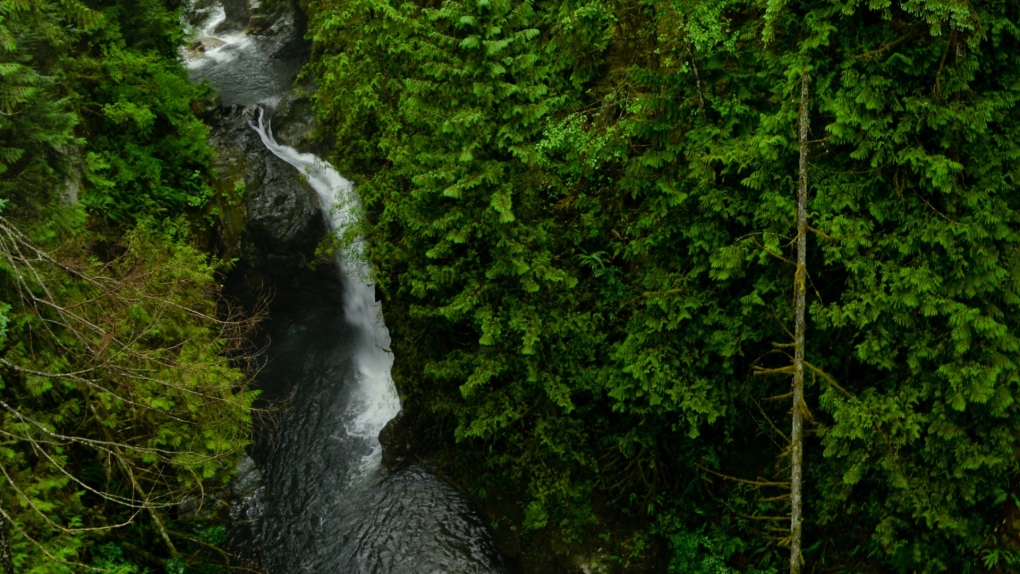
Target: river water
327,505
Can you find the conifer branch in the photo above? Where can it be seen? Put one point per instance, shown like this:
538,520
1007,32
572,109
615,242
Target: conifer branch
832,382
884,48
787,370
752,517
771,424
756,483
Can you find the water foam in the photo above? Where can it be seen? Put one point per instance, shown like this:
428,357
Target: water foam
374,401
233,42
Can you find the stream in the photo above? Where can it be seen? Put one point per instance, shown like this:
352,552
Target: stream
327,505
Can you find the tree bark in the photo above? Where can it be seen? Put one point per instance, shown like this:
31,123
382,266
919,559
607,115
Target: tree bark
6,557
800,289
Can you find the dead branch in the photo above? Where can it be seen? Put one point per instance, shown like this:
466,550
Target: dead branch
756,483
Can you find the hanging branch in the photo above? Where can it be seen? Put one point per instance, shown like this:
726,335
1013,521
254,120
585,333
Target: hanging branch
109,359
800,291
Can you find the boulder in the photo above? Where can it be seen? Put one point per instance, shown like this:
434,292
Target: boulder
399,445
294,122
270,218
237,12
198,47
247,479
285,222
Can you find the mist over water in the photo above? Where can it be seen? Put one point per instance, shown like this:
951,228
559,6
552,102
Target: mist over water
327,505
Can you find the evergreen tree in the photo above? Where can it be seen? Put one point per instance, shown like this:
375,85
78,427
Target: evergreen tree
117,400
581,214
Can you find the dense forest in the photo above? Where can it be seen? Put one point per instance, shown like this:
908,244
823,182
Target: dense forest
584,218
117,400
659,275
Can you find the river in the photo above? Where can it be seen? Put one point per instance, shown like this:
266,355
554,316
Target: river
327,505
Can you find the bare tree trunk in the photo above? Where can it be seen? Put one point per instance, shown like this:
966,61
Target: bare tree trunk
6,558
800,288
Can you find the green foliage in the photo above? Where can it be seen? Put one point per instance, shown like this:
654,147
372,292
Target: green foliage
148,153
699,554
113,74
582,215
35,123
110,558
478,75
116,397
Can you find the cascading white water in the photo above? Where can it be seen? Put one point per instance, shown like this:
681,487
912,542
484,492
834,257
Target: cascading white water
229,44
325,504
375,401
244,69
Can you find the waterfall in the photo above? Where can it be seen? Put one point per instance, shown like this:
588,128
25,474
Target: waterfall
326,505
375,401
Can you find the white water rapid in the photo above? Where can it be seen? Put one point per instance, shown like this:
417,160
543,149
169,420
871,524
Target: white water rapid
219,48
244,69
375,400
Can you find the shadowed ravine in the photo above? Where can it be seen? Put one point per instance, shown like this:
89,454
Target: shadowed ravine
327,504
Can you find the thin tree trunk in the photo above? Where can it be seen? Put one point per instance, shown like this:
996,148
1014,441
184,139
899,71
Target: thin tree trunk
800,288
6,558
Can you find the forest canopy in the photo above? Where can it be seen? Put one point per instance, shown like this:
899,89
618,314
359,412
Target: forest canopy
583,216
117,398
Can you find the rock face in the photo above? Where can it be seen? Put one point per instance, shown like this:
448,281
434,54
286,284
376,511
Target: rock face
284,220
398,443
282,26
238,12
270,217
294,122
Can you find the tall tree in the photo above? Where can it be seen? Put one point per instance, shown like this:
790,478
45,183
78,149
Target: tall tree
592,338
800,325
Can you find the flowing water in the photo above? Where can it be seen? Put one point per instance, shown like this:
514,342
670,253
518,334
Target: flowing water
243,68
327,505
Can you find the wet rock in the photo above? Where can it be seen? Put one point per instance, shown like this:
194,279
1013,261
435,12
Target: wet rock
237,12
294,122
203,44
284,220
247,480
282,26
261,25
197,12
236,147
270,217
398,443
